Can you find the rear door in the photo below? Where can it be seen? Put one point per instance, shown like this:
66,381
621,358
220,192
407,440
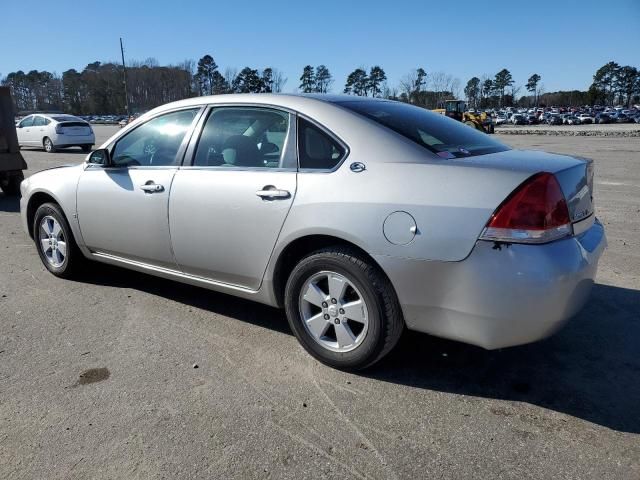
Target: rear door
226,210
38,129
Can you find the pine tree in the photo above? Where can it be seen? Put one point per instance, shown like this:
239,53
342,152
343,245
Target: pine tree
204,74
324,79
532,86
376,79
502,80
308,80
357,83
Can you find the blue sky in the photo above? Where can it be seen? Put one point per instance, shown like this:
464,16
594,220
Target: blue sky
563,41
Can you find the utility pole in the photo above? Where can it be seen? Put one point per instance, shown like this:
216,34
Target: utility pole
124,73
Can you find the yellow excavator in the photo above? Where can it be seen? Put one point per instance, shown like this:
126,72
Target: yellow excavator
457,109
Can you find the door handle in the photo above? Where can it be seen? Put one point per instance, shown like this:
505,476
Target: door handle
151,187
270,191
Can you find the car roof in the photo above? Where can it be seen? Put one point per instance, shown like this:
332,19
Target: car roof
58,116
293,101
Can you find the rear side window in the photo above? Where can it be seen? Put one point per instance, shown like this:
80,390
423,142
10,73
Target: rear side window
40,122
243,137
316,149
441,135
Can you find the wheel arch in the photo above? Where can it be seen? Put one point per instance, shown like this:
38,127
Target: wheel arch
37,199
300,247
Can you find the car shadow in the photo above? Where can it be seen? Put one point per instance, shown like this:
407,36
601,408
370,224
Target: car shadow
590,369
9,203
58,150
219,303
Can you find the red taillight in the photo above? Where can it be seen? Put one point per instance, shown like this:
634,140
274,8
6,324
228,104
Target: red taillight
536,212
59,129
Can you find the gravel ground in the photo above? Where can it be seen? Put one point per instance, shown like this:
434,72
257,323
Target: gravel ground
97,376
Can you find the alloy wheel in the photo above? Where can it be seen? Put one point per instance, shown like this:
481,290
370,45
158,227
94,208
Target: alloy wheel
52,241
333,311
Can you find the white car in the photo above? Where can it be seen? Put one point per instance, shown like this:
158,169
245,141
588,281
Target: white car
501,120
53,131
585,118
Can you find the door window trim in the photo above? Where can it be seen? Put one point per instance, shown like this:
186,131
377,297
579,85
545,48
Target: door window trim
290,143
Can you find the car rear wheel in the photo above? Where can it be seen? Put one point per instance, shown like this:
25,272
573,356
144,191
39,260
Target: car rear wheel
86,148
342,309
48,145
57,248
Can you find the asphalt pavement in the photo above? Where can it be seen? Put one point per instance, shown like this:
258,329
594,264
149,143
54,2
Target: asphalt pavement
98,376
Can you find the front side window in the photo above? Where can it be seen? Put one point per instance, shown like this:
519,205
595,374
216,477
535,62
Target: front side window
437,133
316,149
154,143
243,137
27,122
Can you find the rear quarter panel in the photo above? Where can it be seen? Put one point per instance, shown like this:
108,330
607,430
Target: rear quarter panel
450,204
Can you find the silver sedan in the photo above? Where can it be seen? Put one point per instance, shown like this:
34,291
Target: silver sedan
360,217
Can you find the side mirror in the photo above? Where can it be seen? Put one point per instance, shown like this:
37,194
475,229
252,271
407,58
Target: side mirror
19,125
100,157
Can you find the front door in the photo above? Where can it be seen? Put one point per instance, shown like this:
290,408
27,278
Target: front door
227,209
26,131
123,208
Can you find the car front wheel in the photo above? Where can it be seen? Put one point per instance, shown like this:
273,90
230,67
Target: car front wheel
54,241
342,309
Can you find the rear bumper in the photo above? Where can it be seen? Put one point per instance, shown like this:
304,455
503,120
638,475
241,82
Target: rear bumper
499,297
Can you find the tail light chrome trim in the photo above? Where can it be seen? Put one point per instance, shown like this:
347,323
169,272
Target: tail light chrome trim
512,235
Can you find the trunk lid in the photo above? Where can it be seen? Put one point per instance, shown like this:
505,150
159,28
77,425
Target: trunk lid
575,175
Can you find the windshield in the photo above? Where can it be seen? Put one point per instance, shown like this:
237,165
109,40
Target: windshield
446,137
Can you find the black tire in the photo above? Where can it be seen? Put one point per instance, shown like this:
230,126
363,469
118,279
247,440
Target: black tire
73,259
10,184
86,148
48,145
385,317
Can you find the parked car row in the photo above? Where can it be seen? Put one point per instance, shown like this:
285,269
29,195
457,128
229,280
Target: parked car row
565,116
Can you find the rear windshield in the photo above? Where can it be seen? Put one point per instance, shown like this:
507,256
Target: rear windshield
66,118
74,124
437,133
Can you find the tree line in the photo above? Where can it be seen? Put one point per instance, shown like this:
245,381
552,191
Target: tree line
612,84
99,87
